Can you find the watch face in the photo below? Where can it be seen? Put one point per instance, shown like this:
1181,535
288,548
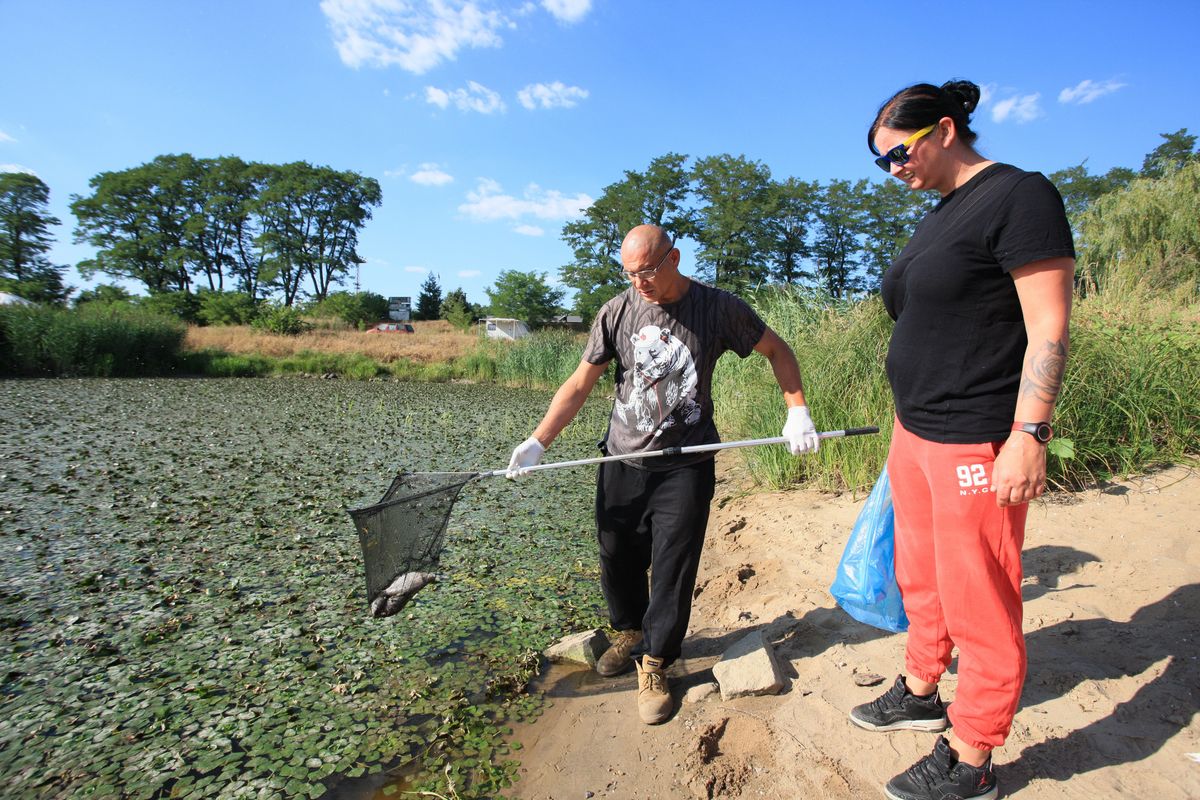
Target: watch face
1044,432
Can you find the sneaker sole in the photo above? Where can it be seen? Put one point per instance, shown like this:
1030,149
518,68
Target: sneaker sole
925,725
992,795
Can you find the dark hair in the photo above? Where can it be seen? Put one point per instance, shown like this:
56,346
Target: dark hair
923,104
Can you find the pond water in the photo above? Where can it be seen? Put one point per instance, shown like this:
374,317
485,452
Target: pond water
182,607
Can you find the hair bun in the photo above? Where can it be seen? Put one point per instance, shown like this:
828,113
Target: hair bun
964,92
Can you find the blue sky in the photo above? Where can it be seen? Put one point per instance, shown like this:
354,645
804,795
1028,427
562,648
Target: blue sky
491,124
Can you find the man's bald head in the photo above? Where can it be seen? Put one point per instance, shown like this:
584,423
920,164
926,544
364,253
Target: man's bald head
643,242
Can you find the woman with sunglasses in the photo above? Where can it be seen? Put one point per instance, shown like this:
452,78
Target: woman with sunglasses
981,297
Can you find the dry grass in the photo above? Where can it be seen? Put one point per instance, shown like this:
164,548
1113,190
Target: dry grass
435,341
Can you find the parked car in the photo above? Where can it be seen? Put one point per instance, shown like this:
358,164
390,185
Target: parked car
392,327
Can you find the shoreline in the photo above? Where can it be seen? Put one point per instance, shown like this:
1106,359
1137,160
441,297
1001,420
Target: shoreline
1109,705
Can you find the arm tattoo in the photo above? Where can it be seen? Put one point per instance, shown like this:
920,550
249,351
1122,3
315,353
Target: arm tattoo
1043,373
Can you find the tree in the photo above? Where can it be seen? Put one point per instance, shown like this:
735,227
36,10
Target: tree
429,302
1176,150
732,225
890,214
836,249
136,220
524,296
457,310
1079,189
1146,237
25,239
310,219
786,228
657,196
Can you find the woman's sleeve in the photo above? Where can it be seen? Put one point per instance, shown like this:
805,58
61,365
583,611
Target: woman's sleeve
1031,225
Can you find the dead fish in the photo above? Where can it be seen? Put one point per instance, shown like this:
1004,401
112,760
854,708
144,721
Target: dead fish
401,590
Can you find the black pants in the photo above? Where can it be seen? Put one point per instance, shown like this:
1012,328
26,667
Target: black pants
646,518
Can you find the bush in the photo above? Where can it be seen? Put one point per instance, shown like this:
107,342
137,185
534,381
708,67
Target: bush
282,320
97,340
226,308
355,309
181,305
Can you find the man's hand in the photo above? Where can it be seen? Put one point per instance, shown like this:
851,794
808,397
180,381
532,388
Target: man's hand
800,431
1019,473
527,454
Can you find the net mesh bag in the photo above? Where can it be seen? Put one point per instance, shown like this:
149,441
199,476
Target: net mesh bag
402,535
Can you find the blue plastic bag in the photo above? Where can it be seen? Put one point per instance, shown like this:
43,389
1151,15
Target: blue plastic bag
865,585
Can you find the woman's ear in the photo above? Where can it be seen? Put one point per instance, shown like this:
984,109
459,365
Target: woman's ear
947,132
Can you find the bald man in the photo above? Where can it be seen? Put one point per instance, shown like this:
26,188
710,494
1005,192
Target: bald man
666,333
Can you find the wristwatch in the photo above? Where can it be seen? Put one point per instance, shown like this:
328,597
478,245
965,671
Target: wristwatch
1038,430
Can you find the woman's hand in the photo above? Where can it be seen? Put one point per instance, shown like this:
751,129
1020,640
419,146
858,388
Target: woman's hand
1019,472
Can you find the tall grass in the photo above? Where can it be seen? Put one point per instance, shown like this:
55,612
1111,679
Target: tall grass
543,360
100,341
1131,393
840,348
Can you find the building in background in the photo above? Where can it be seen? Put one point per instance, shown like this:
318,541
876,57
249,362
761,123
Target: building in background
400,309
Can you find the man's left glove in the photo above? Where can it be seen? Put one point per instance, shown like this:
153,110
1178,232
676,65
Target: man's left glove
800,431
527,454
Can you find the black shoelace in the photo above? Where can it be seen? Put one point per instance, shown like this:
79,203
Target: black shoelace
930,770
892,698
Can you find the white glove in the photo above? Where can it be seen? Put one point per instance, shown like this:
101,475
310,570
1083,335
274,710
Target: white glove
800,431
527,454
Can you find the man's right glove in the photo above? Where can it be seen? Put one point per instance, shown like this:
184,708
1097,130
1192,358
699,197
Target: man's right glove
527,454
800,432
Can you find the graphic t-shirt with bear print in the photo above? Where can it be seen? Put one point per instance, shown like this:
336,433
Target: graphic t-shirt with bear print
665,356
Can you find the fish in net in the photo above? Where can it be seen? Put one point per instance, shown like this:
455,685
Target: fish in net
402,536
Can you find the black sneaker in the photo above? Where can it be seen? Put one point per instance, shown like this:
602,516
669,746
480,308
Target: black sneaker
940,776
900,709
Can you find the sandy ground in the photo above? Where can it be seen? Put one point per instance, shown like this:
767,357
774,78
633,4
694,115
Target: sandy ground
1112,618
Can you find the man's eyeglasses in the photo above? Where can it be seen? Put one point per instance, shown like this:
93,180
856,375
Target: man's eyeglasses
898,155
649,274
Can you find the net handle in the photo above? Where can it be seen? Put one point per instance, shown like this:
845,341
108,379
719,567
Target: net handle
675,451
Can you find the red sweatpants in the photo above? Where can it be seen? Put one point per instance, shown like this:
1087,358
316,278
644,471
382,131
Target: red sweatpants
958,563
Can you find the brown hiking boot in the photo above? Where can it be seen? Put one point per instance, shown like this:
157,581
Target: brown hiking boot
654,696
615,659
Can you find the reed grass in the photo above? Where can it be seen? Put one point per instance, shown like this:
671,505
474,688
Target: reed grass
102,341
1130,400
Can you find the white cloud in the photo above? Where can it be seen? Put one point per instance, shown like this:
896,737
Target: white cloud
414,35
1022,108
469,273
476,97
431,175
1088,90
568,11
488,202
986,92
551,95
418,270
5,138
529,230
16,168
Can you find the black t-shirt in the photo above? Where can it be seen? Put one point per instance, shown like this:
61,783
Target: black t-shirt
665,357
958,346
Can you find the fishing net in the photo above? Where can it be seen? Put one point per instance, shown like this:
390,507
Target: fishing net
402,535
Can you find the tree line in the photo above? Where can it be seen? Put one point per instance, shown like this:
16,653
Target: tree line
185,227
751,230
